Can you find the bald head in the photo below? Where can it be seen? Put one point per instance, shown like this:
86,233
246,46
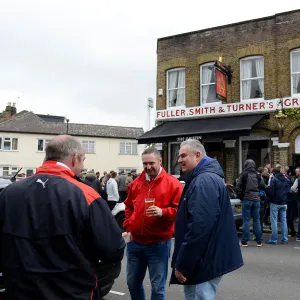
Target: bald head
62,147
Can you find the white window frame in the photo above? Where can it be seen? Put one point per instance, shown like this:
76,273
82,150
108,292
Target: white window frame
131,148
11,141
291,61
254,78
126,170
45,143
168,102
205,84
89,147
11,171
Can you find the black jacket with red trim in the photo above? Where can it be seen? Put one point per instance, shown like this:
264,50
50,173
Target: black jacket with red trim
54,230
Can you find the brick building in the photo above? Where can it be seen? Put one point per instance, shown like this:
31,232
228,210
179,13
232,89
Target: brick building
264,55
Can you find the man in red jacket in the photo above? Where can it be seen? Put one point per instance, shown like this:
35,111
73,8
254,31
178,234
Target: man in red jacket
149,230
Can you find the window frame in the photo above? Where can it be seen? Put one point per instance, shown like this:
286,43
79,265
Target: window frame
131,148
45,143
254,78
167,88
291,71
88,150
206,84
4,139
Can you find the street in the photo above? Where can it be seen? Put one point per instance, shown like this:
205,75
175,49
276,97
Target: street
269,273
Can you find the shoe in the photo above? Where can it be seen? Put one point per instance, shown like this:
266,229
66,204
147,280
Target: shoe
271,243
243,245
297,239
259,244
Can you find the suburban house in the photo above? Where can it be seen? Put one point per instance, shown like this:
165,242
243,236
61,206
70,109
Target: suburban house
24,137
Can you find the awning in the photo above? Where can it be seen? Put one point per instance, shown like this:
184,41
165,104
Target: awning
226,127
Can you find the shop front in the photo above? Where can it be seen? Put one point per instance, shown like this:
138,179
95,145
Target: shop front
230,133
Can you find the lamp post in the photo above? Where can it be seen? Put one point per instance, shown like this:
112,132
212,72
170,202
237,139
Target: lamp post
67,125
150,105
280,116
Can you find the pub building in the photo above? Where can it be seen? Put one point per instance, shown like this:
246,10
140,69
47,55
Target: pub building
236,88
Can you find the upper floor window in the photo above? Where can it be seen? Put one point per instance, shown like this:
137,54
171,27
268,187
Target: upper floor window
295,71
8,144
252,78
88,146
42,144
176,87
128,148
208,84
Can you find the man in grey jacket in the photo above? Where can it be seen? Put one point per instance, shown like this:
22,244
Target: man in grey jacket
122,186
248,191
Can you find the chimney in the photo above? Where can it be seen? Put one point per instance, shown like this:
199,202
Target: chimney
9,111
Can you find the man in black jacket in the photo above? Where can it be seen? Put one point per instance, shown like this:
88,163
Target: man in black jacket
91,180
248,191
54,230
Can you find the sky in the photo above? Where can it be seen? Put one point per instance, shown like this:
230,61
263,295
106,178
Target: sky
94,61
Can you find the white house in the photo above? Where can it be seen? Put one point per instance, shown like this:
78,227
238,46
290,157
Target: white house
24,137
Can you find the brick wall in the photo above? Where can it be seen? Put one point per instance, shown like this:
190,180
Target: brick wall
273,37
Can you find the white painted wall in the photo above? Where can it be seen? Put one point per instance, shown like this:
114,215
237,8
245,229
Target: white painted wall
105,158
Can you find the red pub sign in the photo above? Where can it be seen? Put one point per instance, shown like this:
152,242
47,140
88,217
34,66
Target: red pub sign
221,85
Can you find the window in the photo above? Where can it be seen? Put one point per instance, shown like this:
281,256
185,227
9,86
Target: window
176,87
208,84
5,171
42,144
9,144
128,148
8,171
295,72
252,78
29,172
88,146
125,170
174,167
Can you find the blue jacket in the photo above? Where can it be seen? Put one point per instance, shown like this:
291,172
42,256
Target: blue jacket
279,189
206,242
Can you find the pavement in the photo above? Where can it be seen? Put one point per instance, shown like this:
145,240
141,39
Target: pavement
270,273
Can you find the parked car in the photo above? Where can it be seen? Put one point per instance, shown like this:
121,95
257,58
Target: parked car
107,273
236,205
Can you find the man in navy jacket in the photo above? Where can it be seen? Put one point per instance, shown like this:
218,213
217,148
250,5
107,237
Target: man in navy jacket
206,242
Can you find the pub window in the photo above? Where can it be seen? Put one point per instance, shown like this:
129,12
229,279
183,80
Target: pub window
208,84
176,87
174,167
295,72
252,78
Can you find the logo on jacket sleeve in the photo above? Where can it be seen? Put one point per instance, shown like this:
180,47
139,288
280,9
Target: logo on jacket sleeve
42,183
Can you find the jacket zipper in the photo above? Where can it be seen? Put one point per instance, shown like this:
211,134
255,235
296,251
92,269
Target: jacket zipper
149,190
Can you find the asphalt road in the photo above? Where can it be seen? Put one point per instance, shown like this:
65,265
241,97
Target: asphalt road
270,273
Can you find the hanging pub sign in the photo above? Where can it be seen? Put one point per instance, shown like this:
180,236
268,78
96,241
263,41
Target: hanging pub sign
221,85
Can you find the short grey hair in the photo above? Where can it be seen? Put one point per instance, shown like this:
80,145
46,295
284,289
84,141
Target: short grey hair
297,169
59,149
194,146
152,150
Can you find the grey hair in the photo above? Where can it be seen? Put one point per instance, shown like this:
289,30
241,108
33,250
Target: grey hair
152,150
195,146
60,149
297,169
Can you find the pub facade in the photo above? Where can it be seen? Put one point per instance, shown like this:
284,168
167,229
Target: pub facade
234,87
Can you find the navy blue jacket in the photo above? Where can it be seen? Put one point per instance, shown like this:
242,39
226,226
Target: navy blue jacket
279,189
206,242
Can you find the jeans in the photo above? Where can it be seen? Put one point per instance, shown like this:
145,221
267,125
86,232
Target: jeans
155,257
249,207
274,209
202,291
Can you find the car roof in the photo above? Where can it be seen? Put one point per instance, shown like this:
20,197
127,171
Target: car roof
4,183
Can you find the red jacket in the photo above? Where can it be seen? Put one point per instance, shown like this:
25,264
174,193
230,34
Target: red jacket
167,191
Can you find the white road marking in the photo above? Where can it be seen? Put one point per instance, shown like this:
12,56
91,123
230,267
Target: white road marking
117,293
297,248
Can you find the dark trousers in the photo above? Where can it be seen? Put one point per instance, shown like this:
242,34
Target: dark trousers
266,211
123,195
111,204
291,215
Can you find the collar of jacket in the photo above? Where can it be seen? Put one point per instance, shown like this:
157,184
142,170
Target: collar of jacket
54,168
194,173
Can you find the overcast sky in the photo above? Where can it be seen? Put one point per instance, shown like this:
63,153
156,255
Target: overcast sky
94,61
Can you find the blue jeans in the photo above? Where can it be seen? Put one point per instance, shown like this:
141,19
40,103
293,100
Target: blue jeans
274,209
202,291
155,257
249,207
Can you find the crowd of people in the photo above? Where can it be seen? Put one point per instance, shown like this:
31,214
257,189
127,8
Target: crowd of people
269,195
55,228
